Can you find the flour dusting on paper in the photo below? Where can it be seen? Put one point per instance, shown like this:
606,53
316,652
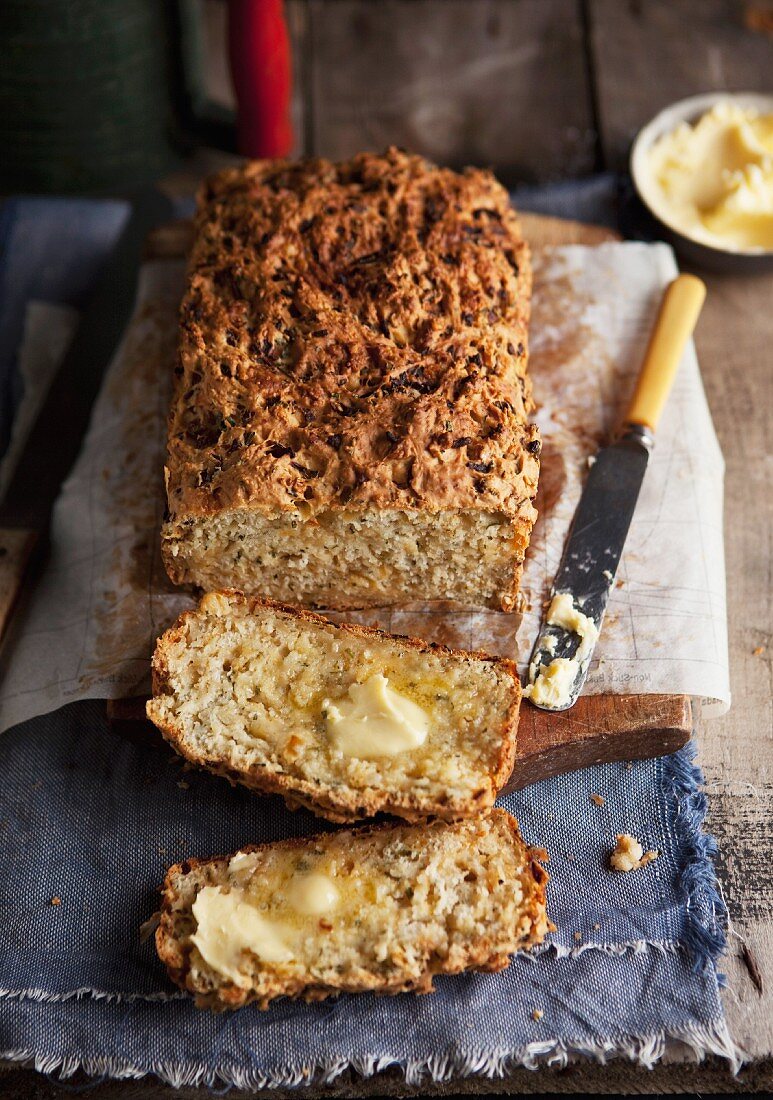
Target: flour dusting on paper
89,628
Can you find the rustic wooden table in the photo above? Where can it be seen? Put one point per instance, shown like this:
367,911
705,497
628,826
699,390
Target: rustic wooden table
557,88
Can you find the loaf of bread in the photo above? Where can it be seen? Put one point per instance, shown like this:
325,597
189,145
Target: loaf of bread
381,908
349,426
344,720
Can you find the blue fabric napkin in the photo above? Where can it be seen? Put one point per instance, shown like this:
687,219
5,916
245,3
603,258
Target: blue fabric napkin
51,250
89,822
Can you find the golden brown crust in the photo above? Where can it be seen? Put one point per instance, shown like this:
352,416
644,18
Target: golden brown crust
354,335
174,951
336,804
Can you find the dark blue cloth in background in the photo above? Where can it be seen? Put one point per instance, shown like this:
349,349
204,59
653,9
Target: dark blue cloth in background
51,250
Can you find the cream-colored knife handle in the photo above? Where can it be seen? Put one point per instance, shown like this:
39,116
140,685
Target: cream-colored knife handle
679,311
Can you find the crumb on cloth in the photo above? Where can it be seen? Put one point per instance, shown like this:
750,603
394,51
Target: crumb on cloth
629,855
598,799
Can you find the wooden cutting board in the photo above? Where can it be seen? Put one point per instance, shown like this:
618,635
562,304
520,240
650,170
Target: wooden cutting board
598,729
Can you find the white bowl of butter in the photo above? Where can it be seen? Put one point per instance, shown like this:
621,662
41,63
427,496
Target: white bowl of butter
704,168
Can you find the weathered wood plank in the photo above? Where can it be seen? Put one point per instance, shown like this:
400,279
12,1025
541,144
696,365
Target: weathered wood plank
296,14
648,53
696,46
611,1079
734,338
542,231
497,82
216,75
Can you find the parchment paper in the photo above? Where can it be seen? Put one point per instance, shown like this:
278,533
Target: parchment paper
89,628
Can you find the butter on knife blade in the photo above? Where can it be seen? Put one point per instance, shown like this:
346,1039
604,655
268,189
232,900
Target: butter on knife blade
563,650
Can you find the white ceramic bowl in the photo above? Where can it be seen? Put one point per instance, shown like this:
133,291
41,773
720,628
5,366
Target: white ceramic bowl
690,110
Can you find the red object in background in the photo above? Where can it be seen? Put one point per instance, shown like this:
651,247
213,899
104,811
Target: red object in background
259,50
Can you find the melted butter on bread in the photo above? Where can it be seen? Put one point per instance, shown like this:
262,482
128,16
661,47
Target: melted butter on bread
239,921
375,721
227,926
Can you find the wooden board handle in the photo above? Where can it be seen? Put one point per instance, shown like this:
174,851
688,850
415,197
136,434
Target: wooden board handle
599,729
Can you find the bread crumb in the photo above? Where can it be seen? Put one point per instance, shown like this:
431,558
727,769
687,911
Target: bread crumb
183,785
56,900
596,926
578,937
598,799
537,1014
629,854
758,651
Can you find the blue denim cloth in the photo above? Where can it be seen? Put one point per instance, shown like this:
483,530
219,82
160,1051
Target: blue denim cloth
93,820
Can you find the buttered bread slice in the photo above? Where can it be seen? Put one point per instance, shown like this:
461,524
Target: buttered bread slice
345,720
379,909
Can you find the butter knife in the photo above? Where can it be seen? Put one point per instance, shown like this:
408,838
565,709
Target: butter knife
578,599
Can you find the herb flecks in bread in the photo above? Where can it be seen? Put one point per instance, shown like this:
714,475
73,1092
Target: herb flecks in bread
254,691
379,909
350,422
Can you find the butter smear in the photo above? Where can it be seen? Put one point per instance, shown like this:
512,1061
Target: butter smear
375,721
230,926
552,685
227,925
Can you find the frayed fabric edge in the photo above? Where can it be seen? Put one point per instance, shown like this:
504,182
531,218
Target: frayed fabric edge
706,916
561,951
632,947
712,1038
87,991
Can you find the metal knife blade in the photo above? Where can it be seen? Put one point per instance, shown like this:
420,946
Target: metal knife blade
589,565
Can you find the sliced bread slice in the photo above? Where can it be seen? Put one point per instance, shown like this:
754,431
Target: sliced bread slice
344,720
380,908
